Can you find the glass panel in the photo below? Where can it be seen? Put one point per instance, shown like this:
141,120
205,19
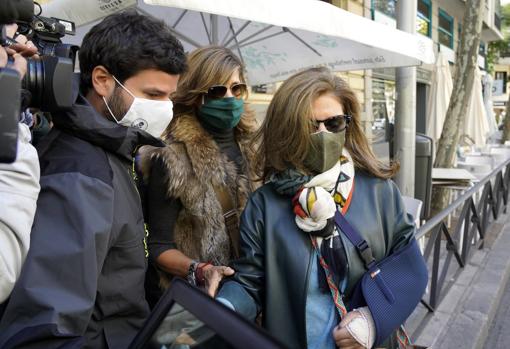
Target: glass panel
445,23
424,9
481,50
383,100
182,330
444,38
422,26
383,107
388,7
500,75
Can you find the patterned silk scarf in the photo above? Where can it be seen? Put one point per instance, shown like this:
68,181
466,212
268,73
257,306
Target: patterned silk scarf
315,200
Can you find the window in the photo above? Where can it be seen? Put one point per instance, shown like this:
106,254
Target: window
423,18
445,29
388,7
497,15
383,99
481,49
500,76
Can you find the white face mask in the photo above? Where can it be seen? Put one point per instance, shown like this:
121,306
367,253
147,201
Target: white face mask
146,114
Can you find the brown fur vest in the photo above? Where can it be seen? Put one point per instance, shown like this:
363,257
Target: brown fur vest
195,167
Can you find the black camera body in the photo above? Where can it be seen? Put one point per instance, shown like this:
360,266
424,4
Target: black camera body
10,99
49,80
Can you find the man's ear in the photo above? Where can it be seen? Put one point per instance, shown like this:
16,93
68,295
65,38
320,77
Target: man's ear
102,81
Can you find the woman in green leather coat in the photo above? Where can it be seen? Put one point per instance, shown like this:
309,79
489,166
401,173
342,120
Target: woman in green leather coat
314,159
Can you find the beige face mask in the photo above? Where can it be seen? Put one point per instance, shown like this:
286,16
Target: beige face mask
325,151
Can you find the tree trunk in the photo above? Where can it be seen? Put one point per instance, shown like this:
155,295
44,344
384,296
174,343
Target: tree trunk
466,61
506,122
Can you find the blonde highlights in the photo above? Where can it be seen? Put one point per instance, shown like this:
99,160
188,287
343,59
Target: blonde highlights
284,137
208,66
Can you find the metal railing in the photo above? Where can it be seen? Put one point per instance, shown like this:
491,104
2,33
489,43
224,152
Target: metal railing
468,231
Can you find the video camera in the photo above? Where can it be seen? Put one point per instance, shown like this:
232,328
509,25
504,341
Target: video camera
48,79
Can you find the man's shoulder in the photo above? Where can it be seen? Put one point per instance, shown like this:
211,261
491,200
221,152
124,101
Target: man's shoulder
62,152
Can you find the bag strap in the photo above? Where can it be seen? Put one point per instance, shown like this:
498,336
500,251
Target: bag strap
230,217
335,292
355,238
403,339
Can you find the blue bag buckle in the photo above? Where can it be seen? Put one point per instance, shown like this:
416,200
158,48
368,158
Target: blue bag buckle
366,254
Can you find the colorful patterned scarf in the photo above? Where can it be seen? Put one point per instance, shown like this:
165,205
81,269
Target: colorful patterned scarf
315,200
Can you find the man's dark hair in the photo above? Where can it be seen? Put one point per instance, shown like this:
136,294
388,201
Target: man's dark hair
126,43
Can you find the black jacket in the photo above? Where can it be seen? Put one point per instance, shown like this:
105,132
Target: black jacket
273,271
82,282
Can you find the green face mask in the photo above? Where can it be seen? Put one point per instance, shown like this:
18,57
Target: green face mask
221,113
325,151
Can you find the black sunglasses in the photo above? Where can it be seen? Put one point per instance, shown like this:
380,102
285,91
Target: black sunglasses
219,91
336,123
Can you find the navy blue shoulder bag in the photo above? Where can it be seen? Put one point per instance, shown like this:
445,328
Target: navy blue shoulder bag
391,287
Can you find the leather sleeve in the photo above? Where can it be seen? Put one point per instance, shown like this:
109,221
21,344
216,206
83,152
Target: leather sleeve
404,227
245,289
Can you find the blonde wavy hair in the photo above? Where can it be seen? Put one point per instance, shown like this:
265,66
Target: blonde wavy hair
209,66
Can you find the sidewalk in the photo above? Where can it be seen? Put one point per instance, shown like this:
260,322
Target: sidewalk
499,336
464,317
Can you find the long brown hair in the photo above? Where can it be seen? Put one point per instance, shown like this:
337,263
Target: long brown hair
208,66
284,137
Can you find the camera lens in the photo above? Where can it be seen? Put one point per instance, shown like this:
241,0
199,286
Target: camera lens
34,80
49,80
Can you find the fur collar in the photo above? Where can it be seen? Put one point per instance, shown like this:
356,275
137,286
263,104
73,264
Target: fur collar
201,147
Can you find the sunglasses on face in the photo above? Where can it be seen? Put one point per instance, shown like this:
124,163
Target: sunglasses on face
336,123
219,91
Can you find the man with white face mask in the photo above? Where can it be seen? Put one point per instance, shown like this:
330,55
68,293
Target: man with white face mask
82,284
149,115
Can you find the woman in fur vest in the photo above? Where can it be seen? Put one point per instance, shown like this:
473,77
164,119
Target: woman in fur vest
199,183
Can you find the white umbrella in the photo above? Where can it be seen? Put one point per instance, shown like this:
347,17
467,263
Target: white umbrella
439,97
476,125
488,82
275,38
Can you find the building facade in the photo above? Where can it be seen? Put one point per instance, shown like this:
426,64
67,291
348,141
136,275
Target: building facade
500,89
438,20
441,22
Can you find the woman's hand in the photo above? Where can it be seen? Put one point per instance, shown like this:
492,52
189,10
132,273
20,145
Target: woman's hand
213,276
343,338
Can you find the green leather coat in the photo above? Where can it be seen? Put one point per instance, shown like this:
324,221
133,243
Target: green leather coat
273,271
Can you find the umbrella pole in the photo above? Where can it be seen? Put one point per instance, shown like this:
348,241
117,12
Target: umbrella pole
405,116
